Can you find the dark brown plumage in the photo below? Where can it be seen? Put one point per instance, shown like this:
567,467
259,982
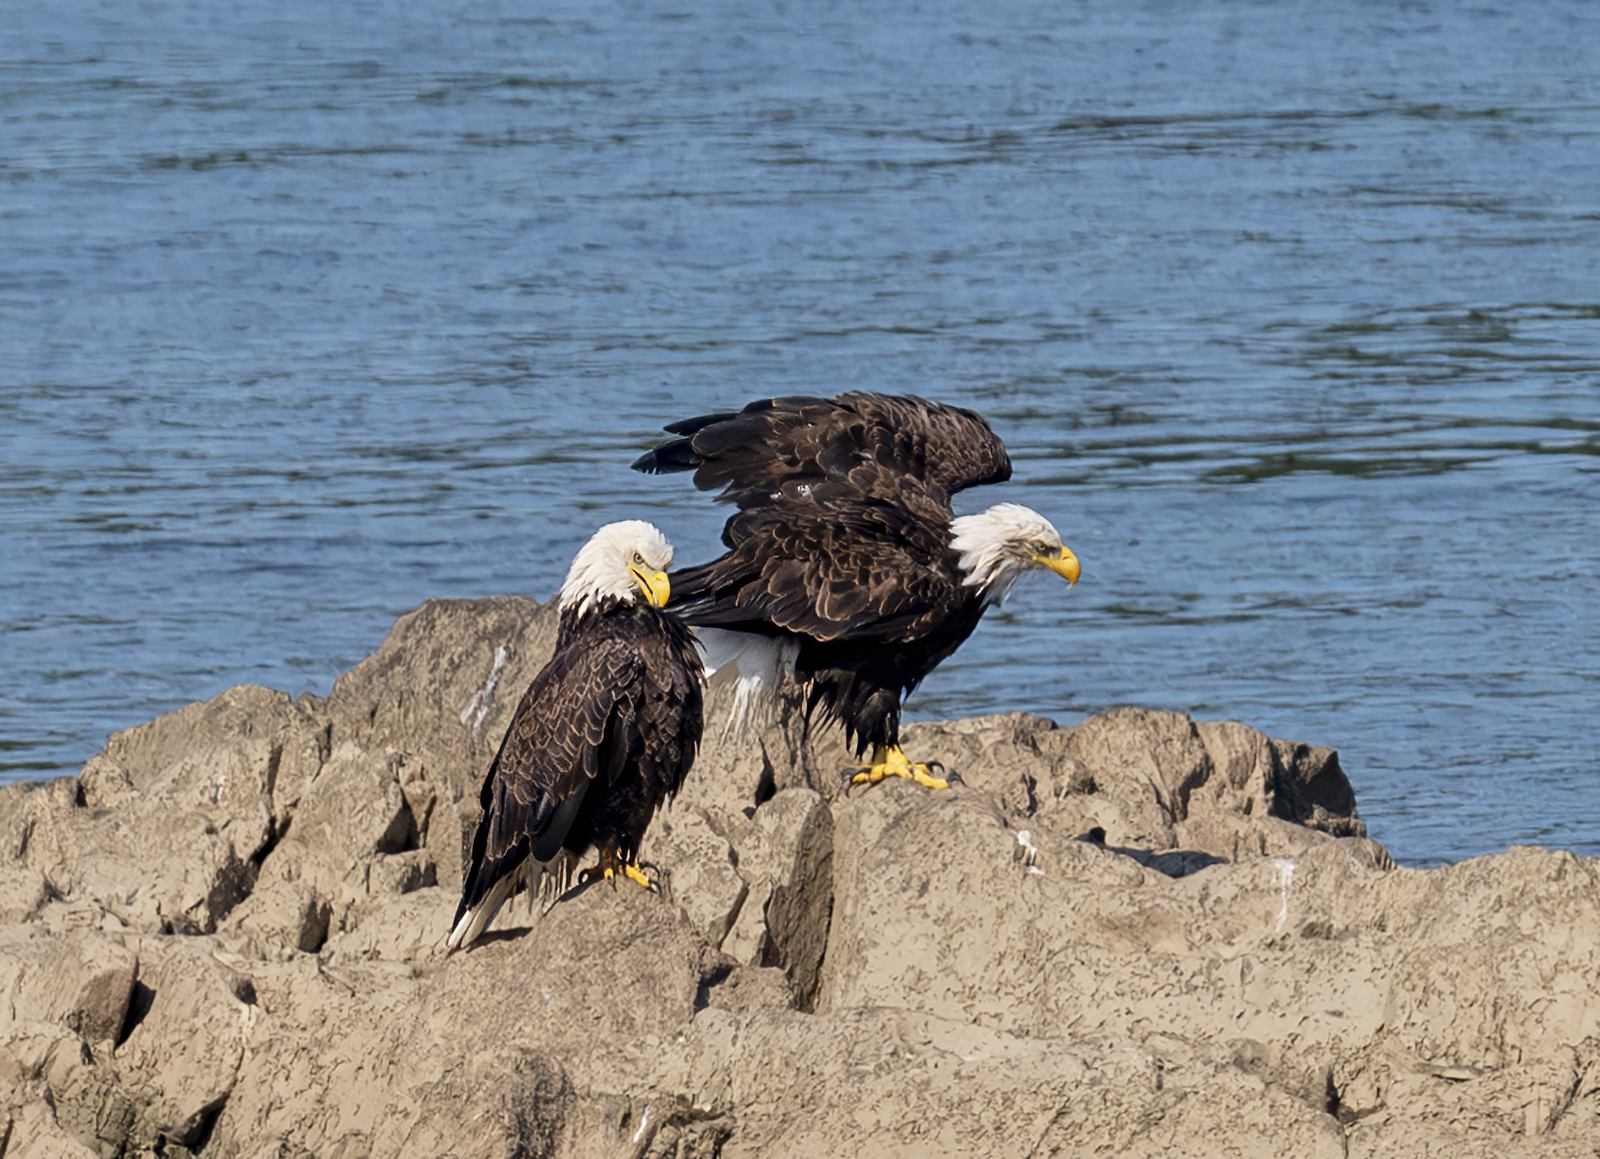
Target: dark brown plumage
843,543
605,733
857,448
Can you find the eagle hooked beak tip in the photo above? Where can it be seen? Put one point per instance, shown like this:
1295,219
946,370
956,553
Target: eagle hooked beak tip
657,590
1064,565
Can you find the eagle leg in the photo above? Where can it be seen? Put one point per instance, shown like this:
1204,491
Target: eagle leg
611,864
891,760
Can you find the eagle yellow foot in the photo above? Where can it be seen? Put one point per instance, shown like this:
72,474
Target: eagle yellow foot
610,865
891,761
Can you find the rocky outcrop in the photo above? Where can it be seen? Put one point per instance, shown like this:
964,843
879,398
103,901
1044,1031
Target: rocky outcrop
1144,935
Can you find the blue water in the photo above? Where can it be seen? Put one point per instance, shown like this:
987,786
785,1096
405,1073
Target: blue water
1290,314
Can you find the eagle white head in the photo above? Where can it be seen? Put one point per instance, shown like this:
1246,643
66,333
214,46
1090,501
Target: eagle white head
620,562
999,544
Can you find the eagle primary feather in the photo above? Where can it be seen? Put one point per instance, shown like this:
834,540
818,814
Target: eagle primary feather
606,732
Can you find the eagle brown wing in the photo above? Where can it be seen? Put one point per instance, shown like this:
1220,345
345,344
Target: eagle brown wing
856,449
551,754
825,571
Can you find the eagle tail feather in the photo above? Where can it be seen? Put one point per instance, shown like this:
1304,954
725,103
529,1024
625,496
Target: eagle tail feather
477,918
754,664
546,881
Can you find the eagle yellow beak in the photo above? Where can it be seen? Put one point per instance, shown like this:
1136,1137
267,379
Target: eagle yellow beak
654,585
1064,565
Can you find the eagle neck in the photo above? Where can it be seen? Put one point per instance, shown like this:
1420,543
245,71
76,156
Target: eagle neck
598,608
987,569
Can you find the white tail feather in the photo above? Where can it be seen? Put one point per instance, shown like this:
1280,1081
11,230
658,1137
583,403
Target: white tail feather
476,919
754,664
545,881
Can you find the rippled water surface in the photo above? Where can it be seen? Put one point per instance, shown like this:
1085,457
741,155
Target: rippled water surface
1289,312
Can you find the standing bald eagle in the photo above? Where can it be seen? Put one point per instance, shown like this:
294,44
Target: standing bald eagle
845,564
604,734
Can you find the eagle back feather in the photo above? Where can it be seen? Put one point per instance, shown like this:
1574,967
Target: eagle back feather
827,572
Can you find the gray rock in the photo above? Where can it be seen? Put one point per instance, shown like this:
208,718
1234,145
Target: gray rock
786,857
1141,935
182,1059
78,979
698,863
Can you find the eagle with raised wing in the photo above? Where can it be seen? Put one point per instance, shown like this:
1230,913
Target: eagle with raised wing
846,567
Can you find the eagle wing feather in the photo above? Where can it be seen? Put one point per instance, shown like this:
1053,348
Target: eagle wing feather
553,751
827,573
857,448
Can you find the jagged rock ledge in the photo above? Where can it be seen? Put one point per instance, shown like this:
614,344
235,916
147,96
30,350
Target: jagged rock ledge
1140,936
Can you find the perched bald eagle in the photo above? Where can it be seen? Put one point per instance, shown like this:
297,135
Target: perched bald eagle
605,733
845,565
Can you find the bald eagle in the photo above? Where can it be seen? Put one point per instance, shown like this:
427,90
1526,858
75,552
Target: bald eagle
605,733
845,565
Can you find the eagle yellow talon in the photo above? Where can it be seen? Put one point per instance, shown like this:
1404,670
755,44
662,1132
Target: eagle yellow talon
609,867
891,761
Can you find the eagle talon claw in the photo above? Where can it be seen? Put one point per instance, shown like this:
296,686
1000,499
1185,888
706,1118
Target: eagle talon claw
609,869
891,761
